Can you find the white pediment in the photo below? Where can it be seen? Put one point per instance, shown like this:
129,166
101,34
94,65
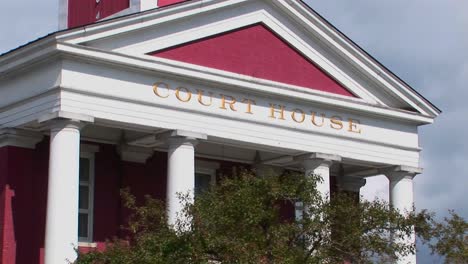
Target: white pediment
138,35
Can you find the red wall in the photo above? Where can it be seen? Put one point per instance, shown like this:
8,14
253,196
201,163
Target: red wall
23,185
162,3
23,197
82,12
106,195
255,51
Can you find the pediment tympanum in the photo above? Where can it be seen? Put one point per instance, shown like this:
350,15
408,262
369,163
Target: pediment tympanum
258,52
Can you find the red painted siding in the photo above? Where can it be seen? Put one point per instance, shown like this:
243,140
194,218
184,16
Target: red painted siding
23,197
144,179
106,193
22,211
162,3
82,12
111,176
255,51
39,203
5,251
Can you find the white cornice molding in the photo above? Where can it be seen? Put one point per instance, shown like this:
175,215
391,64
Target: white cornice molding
379,72
28,55
178,70
142,48
19,138
46,47
66,115
311,21
143,20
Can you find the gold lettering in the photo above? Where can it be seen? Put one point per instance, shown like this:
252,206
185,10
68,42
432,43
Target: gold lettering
336,122
313,119
160,85
249,103
186,91
200,97
353,126
293,115
229,100
273,110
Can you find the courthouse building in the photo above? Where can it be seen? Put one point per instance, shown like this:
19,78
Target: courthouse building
164,96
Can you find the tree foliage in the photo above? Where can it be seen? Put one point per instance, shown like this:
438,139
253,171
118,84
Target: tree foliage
240,221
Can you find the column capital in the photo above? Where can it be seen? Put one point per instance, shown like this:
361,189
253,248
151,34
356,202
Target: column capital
175,142
186,134
313,160
63,119
178,138
59,124
351,184
19,138
400,172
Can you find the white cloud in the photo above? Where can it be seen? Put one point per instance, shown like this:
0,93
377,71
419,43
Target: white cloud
424,42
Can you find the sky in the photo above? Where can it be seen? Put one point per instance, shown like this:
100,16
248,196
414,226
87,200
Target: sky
424,42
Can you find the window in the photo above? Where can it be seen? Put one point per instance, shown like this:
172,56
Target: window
86,198
202,182
205,175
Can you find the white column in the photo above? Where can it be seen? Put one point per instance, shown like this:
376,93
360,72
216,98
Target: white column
319,164
319,167
61,237
316,164
401,198
180,174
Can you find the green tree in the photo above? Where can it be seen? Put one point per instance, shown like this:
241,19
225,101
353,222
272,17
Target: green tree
448,238
239,221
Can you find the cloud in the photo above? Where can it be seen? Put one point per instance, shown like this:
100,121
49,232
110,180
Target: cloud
424,42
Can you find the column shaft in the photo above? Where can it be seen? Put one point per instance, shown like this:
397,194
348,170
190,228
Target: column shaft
61,236
401,193
401,198
322,168
180,174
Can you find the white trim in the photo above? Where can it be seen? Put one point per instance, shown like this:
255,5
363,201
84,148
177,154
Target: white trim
208,168
141,21
89,148
297,11
361,59
237,22
148,4
63,14
87,244
65,115
90,184
248,83
19,138
309,20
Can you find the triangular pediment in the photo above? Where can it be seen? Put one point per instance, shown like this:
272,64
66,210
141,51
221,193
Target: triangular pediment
255,51
276,43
